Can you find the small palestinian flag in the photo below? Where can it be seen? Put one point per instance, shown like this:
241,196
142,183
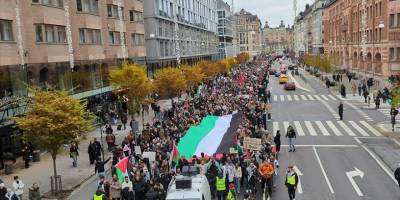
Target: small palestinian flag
121,168
174,156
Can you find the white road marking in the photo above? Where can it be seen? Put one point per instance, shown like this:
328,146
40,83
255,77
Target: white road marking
296,97
289,98
350,175
334,129
285,126
322,128
335,115
324,97
275,97
310,97
370,128
332,97
310,128
299,129
282,98
346,128
299,173
317,97
275,126
362,113
323,170
377,160
303,97
358,128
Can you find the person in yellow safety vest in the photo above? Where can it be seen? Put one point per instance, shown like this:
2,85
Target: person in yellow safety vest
99,195
231,193
221,187
291,182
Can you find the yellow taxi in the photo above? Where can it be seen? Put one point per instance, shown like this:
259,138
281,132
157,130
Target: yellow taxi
283,79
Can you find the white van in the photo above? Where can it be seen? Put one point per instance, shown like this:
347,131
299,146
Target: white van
189,188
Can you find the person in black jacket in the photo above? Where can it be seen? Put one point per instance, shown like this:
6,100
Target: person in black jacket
99,167
140,187
291,136
340,108
277,141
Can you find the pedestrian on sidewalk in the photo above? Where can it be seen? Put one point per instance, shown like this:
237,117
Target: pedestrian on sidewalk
91,152
354,88
110,139
340,108
343,90
359,89
366,95
34,192
291,136
291,182
124,119
377,102
73,153
26,153
18,187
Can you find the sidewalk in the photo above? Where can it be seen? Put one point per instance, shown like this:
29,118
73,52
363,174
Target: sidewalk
40,172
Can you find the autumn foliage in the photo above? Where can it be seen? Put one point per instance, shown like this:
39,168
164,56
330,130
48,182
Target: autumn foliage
170,82
193,75
242,58
133,80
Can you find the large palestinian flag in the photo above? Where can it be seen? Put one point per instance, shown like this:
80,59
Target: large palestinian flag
215,134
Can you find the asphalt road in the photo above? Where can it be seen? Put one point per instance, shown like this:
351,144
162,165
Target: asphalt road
331,156
333,160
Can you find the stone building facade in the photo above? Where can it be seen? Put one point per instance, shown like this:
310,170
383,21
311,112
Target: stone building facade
277,39
248,32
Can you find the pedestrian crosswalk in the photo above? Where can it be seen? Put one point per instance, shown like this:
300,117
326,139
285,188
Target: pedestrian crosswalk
303,97
328,128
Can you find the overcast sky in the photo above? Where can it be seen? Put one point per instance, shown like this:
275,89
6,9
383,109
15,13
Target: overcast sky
271,10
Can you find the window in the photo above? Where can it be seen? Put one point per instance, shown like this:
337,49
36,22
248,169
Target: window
89,36
135,16
137,39
50,33
392,20
114,38
112,11
88,6
55,3
6,32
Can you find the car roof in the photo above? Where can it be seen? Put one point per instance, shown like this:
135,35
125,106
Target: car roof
192,193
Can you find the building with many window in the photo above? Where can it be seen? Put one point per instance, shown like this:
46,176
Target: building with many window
226,30
248,32
66,45
182,31
364,36
277,39
309,29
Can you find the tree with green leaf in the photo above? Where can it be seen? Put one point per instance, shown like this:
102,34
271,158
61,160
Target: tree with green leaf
53,120
133,80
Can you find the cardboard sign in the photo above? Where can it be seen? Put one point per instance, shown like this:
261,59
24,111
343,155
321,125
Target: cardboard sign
151,155
138,150
252,143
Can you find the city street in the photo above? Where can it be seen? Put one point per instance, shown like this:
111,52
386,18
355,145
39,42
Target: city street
332,159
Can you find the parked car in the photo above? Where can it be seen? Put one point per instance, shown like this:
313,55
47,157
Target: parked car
272,71
290,86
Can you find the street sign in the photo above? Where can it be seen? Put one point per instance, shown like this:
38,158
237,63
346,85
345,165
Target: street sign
252,143
299,173
350,175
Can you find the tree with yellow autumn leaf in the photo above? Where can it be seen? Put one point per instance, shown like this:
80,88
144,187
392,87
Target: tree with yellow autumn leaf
208,68
132,79
242,58
170,82
53,120
193,75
